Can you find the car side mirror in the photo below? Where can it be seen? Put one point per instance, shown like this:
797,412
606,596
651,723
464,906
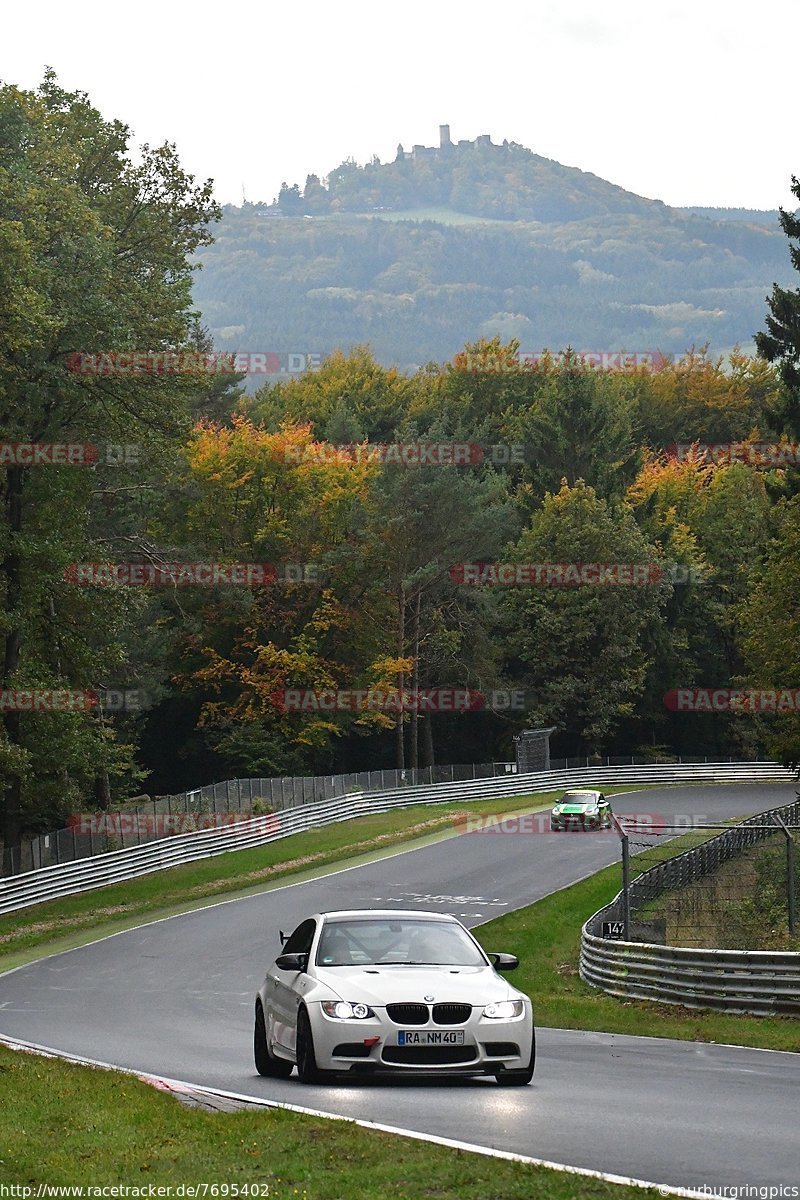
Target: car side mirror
292,962
504,962
283,936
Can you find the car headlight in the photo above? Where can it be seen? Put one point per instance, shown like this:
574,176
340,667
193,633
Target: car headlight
504,1010
344,1011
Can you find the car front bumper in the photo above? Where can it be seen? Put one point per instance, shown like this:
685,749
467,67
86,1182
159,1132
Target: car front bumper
570,821
373,1045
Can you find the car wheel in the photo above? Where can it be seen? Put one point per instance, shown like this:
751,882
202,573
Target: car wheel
266,1063
519,1078
307,1068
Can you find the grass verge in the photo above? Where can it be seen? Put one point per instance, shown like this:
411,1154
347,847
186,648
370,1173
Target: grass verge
546,938
80,1126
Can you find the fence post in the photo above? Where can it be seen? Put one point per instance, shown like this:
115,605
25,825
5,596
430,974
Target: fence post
626,887
789,873
626,879
790,880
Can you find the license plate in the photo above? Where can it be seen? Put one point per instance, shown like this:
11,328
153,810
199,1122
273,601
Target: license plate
430,1037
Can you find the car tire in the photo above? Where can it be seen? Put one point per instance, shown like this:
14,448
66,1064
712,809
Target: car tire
307,1069
519,1078
266,1063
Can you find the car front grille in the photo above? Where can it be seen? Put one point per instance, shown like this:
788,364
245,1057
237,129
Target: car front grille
407,1014
451,1014
430,1056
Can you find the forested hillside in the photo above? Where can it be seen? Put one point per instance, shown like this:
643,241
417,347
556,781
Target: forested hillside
418,256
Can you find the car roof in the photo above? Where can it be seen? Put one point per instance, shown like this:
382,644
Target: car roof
583,792
394,913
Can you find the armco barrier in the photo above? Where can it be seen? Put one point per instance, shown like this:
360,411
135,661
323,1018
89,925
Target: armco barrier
149,818
752,981
49,883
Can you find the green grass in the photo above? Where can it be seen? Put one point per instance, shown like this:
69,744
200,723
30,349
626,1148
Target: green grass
59,924
72,1125
546,938
443,216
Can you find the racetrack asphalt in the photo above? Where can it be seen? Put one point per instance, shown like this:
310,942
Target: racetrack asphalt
175,998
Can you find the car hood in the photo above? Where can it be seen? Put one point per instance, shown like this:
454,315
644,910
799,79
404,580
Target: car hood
574,808
403,985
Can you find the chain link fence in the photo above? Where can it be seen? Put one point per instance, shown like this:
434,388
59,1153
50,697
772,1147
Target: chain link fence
735,890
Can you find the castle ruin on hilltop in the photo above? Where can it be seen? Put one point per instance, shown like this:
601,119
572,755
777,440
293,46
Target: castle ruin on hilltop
446,146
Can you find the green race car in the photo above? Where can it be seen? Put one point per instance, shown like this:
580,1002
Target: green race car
581,810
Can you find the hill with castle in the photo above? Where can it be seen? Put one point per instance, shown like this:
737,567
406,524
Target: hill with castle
470,239
479,178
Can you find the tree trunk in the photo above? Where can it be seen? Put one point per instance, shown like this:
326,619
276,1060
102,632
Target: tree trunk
12,570
427,741
102,791
401,682
415,690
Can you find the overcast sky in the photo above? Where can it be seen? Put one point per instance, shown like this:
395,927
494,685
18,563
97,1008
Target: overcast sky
687,101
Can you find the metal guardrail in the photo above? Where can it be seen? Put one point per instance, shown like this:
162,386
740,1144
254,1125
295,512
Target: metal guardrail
761,982
150,818
50,883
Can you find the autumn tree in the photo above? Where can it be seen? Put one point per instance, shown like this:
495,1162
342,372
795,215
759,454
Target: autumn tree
351,398
273,499
711,522
94,250
700,399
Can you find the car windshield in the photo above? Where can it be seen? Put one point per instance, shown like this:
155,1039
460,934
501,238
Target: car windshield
377,941
579,798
